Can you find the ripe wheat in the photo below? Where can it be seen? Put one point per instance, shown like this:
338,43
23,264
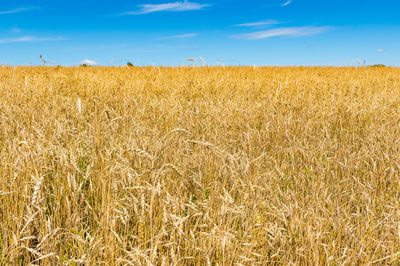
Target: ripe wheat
206,165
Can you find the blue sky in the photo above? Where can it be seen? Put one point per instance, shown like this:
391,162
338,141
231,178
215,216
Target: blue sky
230,32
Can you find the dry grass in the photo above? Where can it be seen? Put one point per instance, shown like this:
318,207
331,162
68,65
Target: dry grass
199,166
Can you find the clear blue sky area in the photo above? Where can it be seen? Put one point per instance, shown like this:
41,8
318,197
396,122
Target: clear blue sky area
230,32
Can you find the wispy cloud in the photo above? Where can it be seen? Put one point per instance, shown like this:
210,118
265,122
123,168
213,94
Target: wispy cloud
18,10
15,30
181,36
380,51
288,2
31,39
290,32
89,62
175,7
259,23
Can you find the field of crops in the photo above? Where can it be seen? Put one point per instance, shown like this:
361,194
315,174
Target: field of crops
199,166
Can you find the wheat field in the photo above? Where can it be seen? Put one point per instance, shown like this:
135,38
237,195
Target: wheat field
199,165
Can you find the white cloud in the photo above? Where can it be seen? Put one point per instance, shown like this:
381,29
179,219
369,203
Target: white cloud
32,39
89,62
259,23
380,51
18,10
15,30
288,2
176,7
290,31
181,36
